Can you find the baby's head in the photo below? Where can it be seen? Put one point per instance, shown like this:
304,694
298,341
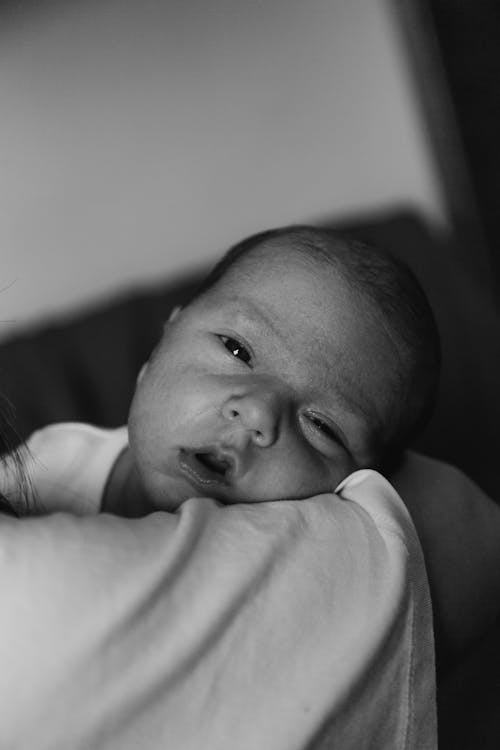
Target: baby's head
305,355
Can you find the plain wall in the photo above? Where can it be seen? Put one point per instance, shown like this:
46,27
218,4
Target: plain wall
141,138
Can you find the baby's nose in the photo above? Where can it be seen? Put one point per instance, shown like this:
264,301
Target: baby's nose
258,413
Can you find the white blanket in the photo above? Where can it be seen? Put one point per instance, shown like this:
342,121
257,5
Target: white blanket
277,626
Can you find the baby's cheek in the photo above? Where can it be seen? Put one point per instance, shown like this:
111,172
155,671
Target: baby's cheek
299,477
340,468
322,475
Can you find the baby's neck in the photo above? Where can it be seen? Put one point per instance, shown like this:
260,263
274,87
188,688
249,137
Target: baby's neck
124,494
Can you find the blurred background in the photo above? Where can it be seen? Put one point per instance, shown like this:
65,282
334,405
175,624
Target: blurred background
140,138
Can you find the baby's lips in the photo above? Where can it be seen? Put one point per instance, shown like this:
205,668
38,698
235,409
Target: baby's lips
236,463
210,464
198,471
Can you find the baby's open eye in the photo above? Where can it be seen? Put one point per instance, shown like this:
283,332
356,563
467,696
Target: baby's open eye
236,349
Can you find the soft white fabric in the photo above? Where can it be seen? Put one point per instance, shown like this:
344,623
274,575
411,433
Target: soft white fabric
68,465
277,626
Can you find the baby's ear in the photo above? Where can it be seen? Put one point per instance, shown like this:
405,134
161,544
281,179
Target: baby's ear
173,315
141,372
175,312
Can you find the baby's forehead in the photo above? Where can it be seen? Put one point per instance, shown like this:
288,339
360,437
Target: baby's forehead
285,256
280,268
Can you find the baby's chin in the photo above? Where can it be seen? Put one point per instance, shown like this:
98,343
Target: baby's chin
175,498
167,494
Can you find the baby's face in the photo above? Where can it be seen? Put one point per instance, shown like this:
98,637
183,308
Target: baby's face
272,385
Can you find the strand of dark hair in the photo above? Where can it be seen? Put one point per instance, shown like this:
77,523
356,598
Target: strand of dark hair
11,457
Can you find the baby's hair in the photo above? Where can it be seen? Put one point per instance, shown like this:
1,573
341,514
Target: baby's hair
11,458
396,300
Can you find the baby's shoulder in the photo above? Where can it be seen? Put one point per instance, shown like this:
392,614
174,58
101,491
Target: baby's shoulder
68,465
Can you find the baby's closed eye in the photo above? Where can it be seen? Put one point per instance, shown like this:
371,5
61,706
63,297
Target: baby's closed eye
323,427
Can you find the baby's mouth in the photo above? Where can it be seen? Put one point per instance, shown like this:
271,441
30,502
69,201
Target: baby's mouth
206,466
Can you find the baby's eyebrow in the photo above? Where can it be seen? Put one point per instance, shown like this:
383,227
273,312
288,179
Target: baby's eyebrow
252,313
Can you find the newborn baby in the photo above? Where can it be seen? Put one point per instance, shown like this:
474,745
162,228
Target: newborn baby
305,355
